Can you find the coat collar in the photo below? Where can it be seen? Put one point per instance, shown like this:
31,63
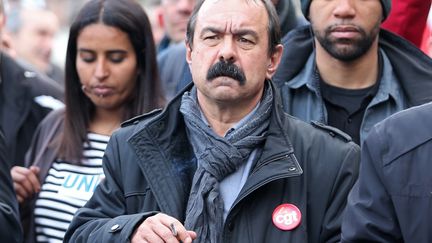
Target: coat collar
389,86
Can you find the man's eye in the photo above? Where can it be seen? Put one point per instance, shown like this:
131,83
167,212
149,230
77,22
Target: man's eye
244,40
211,37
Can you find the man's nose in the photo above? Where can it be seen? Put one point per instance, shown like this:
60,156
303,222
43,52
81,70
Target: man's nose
345,9
48,42
227,50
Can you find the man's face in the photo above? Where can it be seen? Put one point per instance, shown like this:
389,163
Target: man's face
34,40
346,29
175,17
229,58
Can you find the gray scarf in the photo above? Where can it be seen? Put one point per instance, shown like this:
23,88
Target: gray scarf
218,157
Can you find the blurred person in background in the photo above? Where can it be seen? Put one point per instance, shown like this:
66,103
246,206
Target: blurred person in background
25,99
32,30
153,8
111,76
175,14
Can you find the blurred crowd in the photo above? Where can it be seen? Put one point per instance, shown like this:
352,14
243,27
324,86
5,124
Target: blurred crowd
168,21
73,72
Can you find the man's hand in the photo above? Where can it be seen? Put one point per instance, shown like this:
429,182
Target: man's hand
26,182
162,228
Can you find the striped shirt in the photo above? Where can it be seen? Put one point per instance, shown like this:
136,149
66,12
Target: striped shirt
66,188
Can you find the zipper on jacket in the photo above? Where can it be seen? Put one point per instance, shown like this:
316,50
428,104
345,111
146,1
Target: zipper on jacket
275,158
268,180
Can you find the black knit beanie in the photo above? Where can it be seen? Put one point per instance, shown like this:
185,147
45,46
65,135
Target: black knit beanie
386,4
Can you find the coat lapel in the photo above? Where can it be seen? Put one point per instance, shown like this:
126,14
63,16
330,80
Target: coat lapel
166,160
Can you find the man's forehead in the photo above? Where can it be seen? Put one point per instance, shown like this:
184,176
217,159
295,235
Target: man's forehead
227,5
237,12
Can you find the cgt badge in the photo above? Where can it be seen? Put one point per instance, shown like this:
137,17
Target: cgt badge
286,216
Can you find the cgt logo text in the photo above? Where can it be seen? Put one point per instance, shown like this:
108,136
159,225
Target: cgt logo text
286,216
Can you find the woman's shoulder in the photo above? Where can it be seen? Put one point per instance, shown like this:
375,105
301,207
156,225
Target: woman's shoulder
53,120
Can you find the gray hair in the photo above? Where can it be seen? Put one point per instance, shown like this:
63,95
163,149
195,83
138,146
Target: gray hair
14,16
274,32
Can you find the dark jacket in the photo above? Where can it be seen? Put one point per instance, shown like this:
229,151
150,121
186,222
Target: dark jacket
20,113
42,153
10,228
392,200
149,165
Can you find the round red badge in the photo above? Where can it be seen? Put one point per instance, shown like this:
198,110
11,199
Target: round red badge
286,216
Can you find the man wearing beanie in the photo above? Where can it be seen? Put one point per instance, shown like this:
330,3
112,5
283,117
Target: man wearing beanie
345,71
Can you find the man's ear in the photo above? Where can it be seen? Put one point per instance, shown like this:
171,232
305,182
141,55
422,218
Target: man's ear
274,61
188,53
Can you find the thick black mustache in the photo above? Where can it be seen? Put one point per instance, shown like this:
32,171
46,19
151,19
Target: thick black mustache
227,69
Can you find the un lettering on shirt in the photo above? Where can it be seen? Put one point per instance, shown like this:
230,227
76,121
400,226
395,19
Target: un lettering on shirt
79,186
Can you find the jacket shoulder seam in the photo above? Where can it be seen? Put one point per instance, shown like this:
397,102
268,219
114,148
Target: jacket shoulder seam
332,131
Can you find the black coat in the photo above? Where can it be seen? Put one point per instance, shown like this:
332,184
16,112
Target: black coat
149,165
19,113
392,200
10,227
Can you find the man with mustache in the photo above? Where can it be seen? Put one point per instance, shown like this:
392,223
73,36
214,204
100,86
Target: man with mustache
223,162
174,71
345,71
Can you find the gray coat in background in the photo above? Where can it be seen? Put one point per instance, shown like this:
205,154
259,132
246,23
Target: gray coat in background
392,199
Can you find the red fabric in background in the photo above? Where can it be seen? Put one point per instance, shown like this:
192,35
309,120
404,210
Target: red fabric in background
408,19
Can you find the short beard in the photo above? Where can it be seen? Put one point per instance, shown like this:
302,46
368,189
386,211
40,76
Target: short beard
354,49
